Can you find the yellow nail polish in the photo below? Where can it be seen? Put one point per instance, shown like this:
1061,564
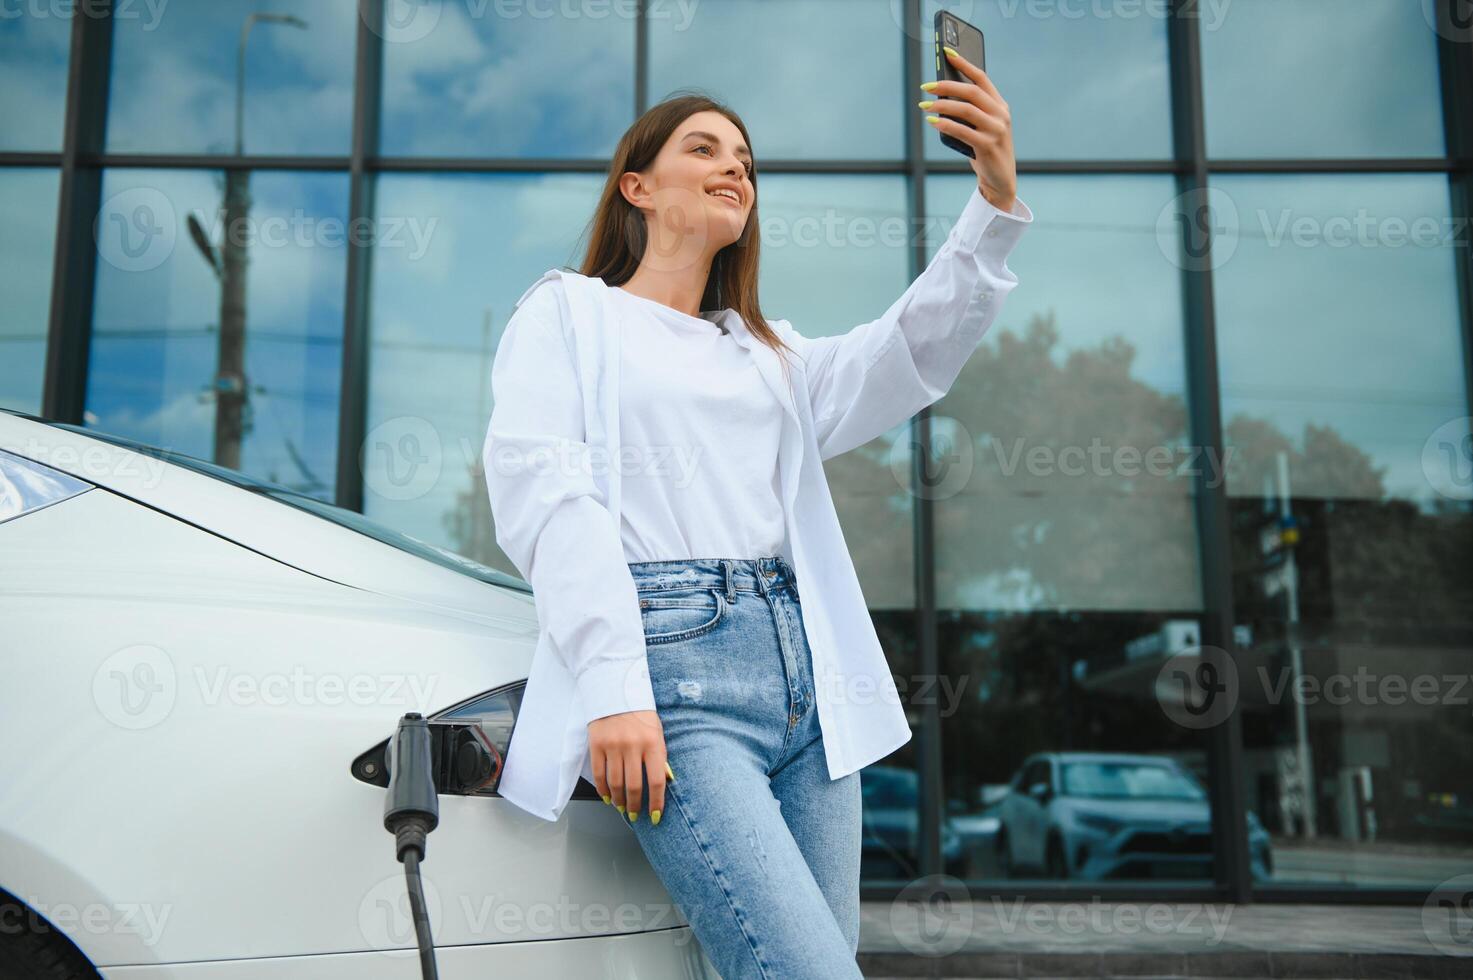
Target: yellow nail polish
619,807
655,818
933,119
608,799
670,772
929,86
633,815
950,51
928,103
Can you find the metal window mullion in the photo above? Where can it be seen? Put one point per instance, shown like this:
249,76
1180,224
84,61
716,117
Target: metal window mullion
923,545
1224,741
74,258
353,377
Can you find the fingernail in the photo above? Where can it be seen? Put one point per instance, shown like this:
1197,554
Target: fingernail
608,799
933,119
633,815
929,86
670,772
928,103
950,51
655,818
619,807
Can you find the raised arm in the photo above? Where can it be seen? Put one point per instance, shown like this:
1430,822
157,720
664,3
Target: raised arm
878,374
549,515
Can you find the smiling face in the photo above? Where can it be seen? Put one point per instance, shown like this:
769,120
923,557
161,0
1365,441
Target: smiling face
706,159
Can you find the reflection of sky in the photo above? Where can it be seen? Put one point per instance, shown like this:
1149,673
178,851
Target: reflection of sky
1363,338
155,343
1091,257
812,79
491,79
1076,86
27,238
436,317
33,65
174,79
1319,78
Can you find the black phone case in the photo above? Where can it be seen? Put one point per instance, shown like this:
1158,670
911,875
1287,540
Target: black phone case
970,45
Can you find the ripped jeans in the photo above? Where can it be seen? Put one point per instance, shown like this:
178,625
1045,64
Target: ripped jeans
756,845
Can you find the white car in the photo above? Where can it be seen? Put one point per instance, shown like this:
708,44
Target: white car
200,673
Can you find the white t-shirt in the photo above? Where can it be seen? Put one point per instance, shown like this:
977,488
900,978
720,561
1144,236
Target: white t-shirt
700,431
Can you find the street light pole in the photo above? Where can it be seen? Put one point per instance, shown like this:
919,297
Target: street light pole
231,390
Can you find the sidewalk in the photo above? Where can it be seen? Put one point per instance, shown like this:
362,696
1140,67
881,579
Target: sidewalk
988,938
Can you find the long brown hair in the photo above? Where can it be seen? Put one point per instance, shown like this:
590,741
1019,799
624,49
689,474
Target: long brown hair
619,234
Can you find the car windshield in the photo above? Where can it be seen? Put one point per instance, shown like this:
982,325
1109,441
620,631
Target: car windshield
328,512
1129,781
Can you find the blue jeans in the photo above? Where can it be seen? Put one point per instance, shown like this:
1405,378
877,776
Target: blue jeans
756,845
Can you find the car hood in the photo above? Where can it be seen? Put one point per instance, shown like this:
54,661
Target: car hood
1143,812
277,530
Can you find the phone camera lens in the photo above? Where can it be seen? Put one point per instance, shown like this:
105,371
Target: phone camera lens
950,34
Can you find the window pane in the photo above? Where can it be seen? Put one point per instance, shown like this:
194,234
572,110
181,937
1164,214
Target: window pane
441,296
158,341
174,79
1321,78
1120,49
35,41
507,79
27,241
1066,550
824,81
835,254
1346,406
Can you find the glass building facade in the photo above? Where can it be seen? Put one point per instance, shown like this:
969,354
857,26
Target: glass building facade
1177,580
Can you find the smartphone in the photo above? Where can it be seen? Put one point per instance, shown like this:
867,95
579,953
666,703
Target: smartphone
966,40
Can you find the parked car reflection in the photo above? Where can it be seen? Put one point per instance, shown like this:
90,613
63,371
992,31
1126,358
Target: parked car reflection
1094,815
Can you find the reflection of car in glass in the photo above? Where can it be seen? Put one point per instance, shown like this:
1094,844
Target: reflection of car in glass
890,845
201,671
1102,815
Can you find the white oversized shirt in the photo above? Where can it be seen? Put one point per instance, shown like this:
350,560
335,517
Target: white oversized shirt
701,432
556,472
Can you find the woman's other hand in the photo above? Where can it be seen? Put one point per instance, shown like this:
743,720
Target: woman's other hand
622,749
982,106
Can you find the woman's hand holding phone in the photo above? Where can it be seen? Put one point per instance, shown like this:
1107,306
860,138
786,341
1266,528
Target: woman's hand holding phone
979,103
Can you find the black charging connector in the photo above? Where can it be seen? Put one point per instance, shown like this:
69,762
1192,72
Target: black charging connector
411,811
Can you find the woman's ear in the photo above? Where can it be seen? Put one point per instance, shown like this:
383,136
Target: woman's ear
632,186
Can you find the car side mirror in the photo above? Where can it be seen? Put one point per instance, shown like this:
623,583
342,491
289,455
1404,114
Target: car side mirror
1039,791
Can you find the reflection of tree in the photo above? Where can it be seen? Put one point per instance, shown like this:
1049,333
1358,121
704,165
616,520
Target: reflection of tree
1063,508
468,523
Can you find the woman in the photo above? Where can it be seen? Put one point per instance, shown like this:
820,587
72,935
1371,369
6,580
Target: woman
673,635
